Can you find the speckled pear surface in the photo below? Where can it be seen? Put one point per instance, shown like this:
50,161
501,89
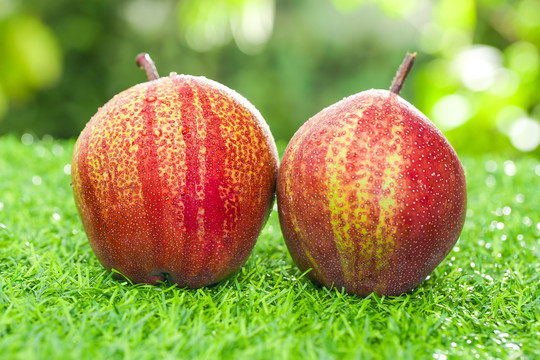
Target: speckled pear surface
371,195
174,178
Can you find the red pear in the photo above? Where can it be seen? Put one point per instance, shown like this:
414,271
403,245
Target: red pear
371,195
174,179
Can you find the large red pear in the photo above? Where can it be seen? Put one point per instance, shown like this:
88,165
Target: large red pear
371,195
174,179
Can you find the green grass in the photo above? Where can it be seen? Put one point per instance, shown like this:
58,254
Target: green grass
57,302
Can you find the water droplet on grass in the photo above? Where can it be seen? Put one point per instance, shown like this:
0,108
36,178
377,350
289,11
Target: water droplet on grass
512,346
40,150
36,180
510,168
439,356
491,166
57,150
27,139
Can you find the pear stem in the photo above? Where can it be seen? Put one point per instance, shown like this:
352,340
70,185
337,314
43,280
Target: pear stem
144,61
402,73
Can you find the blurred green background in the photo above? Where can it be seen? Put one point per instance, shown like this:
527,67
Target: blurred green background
477,74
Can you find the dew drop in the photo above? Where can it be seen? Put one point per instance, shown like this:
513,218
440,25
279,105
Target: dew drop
185,130
57,150
510,168
526,221
491,166
157,132
151,98
27,139
36,180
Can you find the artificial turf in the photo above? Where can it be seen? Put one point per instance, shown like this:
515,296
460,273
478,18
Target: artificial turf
57,301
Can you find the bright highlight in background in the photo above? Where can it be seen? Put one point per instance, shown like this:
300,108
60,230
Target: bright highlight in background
478,66
209,24
451,111
525,134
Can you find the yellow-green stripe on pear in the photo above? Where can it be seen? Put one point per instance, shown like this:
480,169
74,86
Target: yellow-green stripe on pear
375,192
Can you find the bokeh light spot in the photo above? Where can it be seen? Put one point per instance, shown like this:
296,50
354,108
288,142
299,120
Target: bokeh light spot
451,111
507,116
477,66
525,134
